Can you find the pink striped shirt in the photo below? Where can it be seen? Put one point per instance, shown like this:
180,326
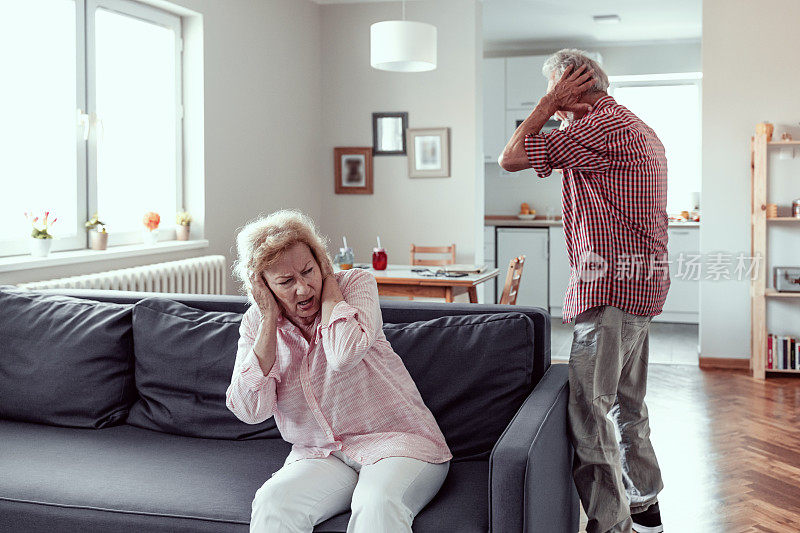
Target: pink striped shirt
345,390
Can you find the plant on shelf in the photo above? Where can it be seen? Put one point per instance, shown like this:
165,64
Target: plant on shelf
41,238
184,221
151,221
98,234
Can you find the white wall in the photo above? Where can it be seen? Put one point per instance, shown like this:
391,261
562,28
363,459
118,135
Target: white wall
504,193
749,75
262,102
262,95
402,210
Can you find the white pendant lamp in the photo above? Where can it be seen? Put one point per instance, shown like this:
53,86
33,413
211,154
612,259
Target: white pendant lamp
402,45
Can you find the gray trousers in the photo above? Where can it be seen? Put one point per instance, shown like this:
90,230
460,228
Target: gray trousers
615,468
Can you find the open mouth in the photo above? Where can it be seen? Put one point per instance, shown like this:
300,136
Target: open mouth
305,305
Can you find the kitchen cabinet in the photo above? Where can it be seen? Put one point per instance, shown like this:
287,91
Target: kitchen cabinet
559,270
546,283
533,244
525,84
683,298
494,108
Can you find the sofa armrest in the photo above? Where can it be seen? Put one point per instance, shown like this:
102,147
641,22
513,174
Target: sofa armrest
530,468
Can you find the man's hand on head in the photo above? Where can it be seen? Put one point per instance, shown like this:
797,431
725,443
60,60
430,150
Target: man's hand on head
568,91
564,96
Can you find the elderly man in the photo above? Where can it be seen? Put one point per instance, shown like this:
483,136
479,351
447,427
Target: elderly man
614,192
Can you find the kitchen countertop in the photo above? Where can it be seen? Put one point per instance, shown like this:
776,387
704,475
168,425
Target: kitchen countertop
542,222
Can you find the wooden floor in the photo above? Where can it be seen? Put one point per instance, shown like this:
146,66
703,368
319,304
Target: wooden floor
729,449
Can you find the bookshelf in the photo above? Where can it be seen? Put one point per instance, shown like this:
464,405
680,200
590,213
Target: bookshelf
772,293
759,292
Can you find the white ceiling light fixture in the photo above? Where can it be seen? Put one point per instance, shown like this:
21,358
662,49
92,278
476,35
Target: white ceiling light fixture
607,19
403,45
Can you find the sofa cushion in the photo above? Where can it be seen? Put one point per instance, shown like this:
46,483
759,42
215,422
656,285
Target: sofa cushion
129,479
64,361
473,373
184,363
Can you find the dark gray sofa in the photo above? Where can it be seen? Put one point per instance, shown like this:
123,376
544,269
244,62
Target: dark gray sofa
126,478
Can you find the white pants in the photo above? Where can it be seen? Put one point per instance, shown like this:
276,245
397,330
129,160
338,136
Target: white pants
383,497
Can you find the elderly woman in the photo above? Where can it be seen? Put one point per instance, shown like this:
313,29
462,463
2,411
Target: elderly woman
312,353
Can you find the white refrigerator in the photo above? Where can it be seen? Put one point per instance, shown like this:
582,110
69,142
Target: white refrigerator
533,244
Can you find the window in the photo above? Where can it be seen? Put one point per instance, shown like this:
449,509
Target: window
670,104
93,119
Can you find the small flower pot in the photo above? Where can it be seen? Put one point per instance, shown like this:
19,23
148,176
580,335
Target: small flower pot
182,232
98,240
150,237
40,247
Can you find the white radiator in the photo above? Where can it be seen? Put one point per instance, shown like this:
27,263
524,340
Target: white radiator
198,275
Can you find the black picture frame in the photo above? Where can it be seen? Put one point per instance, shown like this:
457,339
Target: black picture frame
376,118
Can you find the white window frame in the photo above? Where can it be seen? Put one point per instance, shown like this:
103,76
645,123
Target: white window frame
86,149
161,18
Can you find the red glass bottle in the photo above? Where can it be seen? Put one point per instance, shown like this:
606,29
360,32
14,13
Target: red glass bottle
379,259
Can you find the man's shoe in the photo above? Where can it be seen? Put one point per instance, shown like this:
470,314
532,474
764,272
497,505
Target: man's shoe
648,521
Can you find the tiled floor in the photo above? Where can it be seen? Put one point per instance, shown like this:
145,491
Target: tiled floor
670,343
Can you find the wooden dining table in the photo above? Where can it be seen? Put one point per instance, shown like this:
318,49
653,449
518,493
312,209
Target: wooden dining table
400,280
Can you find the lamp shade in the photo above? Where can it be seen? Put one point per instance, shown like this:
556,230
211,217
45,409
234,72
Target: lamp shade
403,46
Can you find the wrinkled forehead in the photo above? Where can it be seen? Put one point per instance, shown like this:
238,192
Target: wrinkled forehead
295,259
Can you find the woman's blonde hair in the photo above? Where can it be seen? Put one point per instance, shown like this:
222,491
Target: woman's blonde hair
262,241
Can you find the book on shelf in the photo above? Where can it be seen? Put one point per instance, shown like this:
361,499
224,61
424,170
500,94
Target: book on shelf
786,345
783,352
769,350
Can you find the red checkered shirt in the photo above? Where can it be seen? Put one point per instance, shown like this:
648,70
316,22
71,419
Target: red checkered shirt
345,390
614,196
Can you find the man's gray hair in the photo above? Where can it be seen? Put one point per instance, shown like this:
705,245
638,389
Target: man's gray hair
557,63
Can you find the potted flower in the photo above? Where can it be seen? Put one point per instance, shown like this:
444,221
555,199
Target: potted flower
151,221
41,238
184,221
98,235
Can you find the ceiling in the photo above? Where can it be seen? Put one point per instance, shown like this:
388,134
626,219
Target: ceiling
539,22
515,21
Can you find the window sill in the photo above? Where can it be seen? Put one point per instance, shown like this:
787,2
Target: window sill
24,262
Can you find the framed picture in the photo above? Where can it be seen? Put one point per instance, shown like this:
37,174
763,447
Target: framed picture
429,153
389,133
352,168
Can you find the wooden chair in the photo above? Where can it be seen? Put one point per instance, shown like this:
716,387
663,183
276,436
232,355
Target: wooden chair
513,277
449,250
